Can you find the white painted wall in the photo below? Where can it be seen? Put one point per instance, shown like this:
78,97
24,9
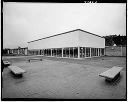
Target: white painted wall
72,39
64,40
89,40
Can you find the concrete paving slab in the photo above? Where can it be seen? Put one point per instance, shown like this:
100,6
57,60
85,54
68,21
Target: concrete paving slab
60,79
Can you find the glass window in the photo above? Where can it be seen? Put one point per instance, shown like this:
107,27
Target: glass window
43,52
99,51
102,51
87,52
59,52
96,51
75,52
49,52
64,52
71,52
53,52
67,52
82,52
92,51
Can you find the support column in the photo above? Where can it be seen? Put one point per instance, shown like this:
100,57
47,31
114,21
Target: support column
78,52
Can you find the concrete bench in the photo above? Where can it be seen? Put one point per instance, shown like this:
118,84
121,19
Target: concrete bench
35,59
6,63
112,74
16,70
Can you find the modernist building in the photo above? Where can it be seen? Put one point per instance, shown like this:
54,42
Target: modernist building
17,51
72,44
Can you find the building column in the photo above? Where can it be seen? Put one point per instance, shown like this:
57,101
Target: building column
90,52
78,52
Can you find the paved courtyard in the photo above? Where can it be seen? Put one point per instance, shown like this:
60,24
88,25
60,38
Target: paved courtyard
64,79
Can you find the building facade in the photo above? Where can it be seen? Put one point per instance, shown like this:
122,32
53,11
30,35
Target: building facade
17,51
72,44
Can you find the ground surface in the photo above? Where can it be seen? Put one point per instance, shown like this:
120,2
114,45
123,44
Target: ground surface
64,79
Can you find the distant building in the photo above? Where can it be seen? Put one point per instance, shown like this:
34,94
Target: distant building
72,44
17,51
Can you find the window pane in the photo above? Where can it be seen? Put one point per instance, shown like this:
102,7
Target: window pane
64,52
102,51
87,52
75,52
71,52
67,52
59,52
81,50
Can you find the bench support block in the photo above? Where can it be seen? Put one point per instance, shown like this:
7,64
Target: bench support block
115,78
17,75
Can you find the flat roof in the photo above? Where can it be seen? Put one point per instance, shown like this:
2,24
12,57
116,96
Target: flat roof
66,33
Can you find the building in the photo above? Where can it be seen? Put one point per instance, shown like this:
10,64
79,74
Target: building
72,44
17,51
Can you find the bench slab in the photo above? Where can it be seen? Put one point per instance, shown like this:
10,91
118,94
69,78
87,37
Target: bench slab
6,62
35,59
16,70
111,73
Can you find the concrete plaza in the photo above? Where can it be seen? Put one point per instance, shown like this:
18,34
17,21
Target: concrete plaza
56,78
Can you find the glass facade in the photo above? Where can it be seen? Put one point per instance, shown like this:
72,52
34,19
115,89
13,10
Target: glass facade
88,52
70,52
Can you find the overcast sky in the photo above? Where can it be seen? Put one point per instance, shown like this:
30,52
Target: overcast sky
24,22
